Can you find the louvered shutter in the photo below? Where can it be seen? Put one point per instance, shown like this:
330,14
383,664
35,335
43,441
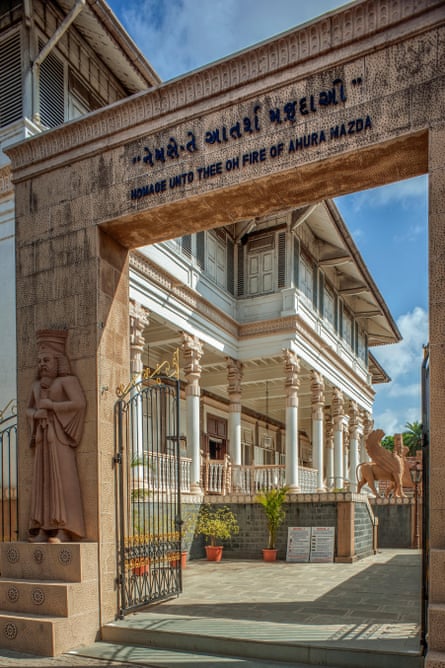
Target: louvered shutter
186,245
200,249
11,108
230,267
281,259
240,271
52,91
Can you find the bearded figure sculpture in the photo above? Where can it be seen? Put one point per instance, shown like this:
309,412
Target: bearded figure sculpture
56,414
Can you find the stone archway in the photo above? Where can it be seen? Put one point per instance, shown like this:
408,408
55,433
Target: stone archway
351,101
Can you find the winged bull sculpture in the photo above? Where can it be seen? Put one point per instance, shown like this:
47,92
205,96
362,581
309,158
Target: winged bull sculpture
385,465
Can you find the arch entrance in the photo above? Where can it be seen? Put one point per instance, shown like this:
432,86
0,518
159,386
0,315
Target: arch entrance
348,102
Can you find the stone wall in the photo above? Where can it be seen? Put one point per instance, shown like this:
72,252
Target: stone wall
395,522
304,510
363,530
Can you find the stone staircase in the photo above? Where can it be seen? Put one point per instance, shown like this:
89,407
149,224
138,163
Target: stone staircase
49,599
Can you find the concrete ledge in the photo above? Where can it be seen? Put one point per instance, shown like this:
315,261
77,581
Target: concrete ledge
435,660
436,626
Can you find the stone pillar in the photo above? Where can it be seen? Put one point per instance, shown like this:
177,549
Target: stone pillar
355,432
338,420
317,390
329,449
192,350
234,376
292,384
138,322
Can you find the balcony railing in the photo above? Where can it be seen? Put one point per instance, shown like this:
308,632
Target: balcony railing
217,476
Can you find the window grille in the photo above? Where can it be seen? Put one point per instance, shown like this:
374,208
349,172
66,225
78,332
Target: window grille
11,108
52,91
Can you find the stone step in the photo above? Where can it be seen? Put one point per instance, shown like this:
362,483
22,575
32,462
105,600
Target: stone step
67,562
40,597
46,636
254,641
165,658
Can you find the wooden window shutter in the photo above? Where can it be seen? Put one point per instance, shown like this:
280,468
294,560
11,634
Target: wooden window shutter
11,108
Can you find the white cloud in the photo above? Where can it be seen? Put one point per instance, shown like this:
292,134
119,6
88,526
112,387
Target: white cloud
184,34
401,193
393,420
406,356
398,390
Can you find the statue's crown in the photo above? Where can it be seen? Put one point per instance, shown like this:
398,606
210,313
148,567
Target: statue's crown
52,340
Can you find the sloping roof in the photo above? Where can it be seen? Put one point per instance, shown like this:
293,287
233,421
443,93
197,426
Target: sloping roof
101,29
339,254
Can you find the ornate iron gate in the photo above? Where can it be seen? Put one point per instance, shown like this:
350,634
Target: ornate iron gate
148,479
8,473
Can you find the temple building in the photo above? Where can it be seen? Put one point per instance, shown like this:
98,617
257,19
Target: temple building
275,317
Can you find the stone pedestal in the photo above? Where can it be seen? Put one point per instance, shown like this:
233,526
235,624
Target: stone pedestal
49,596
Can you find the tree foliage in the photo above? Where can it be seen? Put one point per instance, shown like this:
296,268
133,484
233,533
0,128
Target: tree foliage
412,437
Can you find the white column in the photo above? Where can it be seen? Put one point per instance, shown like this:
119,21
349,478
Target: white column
292,383
192,348
234,375
317,389
368,424
329,450
346,460
338,420
355,431
138,321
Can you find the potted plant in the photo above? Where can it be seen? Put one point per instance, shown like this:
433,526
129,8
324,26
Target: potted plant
272,502
216,523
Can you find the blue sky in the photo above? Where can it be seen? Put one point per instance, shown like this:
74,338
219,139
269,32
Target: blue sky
389,224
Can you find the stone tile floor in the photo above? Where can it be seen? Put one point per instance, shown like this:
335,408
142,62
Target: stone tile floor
373,601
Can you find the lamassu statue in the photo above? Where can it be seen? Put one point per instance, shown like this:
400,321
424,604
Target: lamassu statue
56,413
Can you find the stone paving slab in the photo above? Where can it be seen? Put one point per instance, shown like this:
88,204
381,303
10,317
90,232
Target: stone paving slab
373,603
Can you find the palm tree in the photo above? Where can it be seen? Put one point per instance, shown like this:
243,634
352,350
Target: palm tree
412,437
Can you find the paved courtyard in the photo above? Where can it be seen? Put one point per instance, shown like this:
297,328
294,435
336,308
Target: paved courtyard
372,603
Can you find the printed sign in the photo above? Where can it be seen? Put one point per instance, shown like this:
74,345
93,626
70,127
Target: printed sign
322,544
298,544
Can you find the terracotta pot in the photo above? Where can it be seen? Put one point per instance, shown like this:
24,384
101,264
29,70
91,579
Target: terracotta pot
214,552
269,554
141,570
183,560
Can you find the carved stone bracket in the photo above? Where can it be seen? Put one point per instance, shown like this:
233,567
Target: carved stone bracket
292,380
234,377
192,350
317,395
139,319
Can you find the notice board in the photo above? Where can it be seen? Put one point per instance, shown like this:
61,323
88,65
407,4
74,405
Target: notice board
310,544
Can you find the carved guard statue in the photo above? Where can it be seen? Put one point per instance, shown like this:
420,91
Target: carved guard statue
56,413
